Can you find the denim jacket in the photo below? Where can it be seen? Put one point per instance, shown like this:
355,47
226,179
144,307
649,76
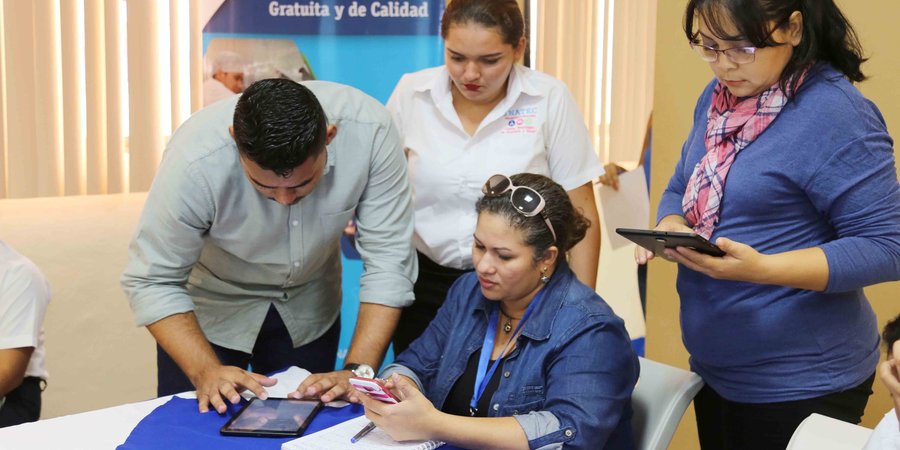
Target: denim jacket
569,380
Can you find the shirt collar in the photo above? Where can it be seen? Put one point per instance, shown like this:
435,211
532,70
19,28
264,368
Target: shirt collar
520,83
438,86
329,161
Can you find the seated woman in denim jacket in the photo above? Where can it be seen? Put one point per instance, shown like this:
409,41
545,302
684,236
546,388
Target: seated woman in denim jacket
521,355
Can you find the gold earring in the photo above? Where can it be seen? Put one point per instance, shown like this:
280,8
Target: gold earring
544,278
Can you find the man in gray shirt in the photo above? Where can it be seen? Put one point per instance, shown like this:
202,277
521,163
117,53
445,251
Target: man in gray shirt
236,257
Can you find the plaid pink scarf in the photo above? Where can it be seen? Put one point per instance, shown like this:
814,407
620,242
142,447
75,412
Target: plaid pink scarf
732,124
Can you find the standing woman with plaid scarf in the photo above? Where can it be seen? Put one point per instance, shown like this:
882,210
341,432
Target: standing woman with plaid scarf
789,170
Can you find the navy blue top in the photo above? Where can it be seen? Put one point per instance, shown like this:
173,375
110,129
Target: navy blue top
821,175
572,359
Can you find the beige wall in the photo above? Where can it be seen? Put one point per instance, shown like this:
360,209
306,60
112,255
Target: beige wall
680,76
96,356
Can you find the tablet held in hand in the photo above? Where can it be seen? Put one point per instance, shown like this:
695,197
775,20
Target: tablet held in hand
658,241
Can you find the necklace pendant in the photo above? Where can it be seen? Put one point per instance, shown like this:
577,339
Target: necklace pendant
507,327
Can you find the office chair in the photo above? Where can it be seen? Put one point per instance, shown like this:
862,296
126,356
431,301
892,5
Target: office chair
659,400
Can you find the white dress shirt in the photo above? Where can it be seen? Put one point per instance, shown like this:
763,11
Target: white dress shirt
24,296
536,128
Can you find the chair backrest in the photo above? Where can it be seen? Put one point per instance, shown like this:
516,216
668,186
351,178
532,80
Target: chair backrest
659,400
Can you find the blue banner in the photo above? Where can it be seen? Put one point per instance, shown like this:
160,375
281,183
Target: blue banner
331,17
365,44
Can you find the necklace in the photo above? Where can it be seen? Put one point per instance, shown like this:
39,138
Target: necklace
507,327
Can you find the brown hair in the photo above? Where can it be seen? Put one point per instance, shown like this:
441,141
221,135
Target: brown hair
502,14
569,224
891,334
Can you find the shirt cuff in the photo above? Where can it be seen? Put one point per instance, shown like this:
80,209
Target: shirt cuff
588,175
401,370
389,286
147,311
22,341
537,424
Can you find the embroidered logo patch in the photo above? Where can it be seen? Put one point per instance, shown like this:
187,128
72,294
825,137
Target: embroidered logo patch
520,120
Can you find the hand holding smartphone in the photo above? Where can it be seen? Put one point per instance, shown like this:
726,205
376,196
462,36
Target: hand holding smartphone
374,388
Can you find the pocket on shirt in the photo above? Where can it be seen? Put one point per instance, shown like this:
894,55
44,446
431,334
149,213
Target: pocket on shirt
526,399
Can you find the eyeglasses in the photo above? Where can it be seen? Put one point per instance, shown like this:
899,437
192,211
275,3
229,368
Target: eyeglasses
526,200
737,55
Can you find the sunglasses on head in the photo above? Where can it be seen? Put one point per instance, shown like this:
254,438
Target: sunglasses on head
527,201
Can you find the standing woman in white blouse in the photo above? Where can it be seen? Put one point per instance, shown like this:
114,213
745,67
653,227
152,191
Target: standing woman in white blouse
479,114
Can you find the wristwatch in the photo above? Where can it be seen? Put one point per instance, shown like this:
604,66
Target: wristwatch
360,370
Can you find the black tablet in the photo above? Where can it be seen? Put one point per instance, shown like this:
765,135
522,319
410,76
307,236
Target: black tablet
657,241
272,417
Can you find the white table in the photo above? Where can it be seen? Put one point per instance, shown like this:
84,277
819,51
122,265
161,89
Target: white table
94,430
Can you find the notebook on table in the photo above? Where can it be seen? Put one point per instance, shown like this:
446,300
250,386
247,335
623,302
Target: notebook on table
338,437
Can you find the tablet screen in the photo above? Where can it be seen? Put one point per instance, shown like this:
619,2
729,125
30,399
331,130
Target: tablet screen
273,416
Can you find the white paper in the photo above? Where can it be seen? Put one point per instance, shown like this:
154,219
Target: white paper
629,207
287,383
338,437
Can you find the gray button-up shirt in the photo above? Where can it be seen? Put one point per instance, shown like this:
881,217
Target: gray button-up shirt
207,241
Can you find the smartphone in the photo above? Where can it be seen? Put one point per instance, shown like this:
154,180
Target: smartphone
657,241
374,388
272,417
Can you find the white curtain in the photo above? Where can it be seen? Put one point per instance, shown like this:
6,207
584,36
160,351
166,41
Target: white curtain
90,90
604,51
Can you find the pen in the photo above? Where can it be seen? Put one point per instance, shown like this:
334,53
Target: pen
362,433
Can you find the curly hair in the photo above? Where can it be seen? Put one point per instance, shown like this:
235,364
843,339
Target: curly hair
569,224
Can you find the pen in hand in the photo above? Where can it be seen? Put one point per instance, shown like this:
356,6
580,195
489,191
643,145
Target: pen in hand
362,433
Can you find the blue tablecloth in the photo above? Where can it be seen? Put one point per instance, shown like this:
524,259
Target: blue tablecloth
178,425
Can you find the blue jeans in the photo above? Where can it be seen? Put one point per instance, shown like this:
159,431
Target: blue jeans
272,351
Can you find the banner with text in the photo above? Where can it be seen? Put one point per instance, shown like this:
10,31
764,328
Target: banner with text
363,43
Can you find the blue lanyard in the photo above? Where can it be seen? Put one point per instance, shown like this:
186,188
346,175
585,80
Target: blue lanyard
487,347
